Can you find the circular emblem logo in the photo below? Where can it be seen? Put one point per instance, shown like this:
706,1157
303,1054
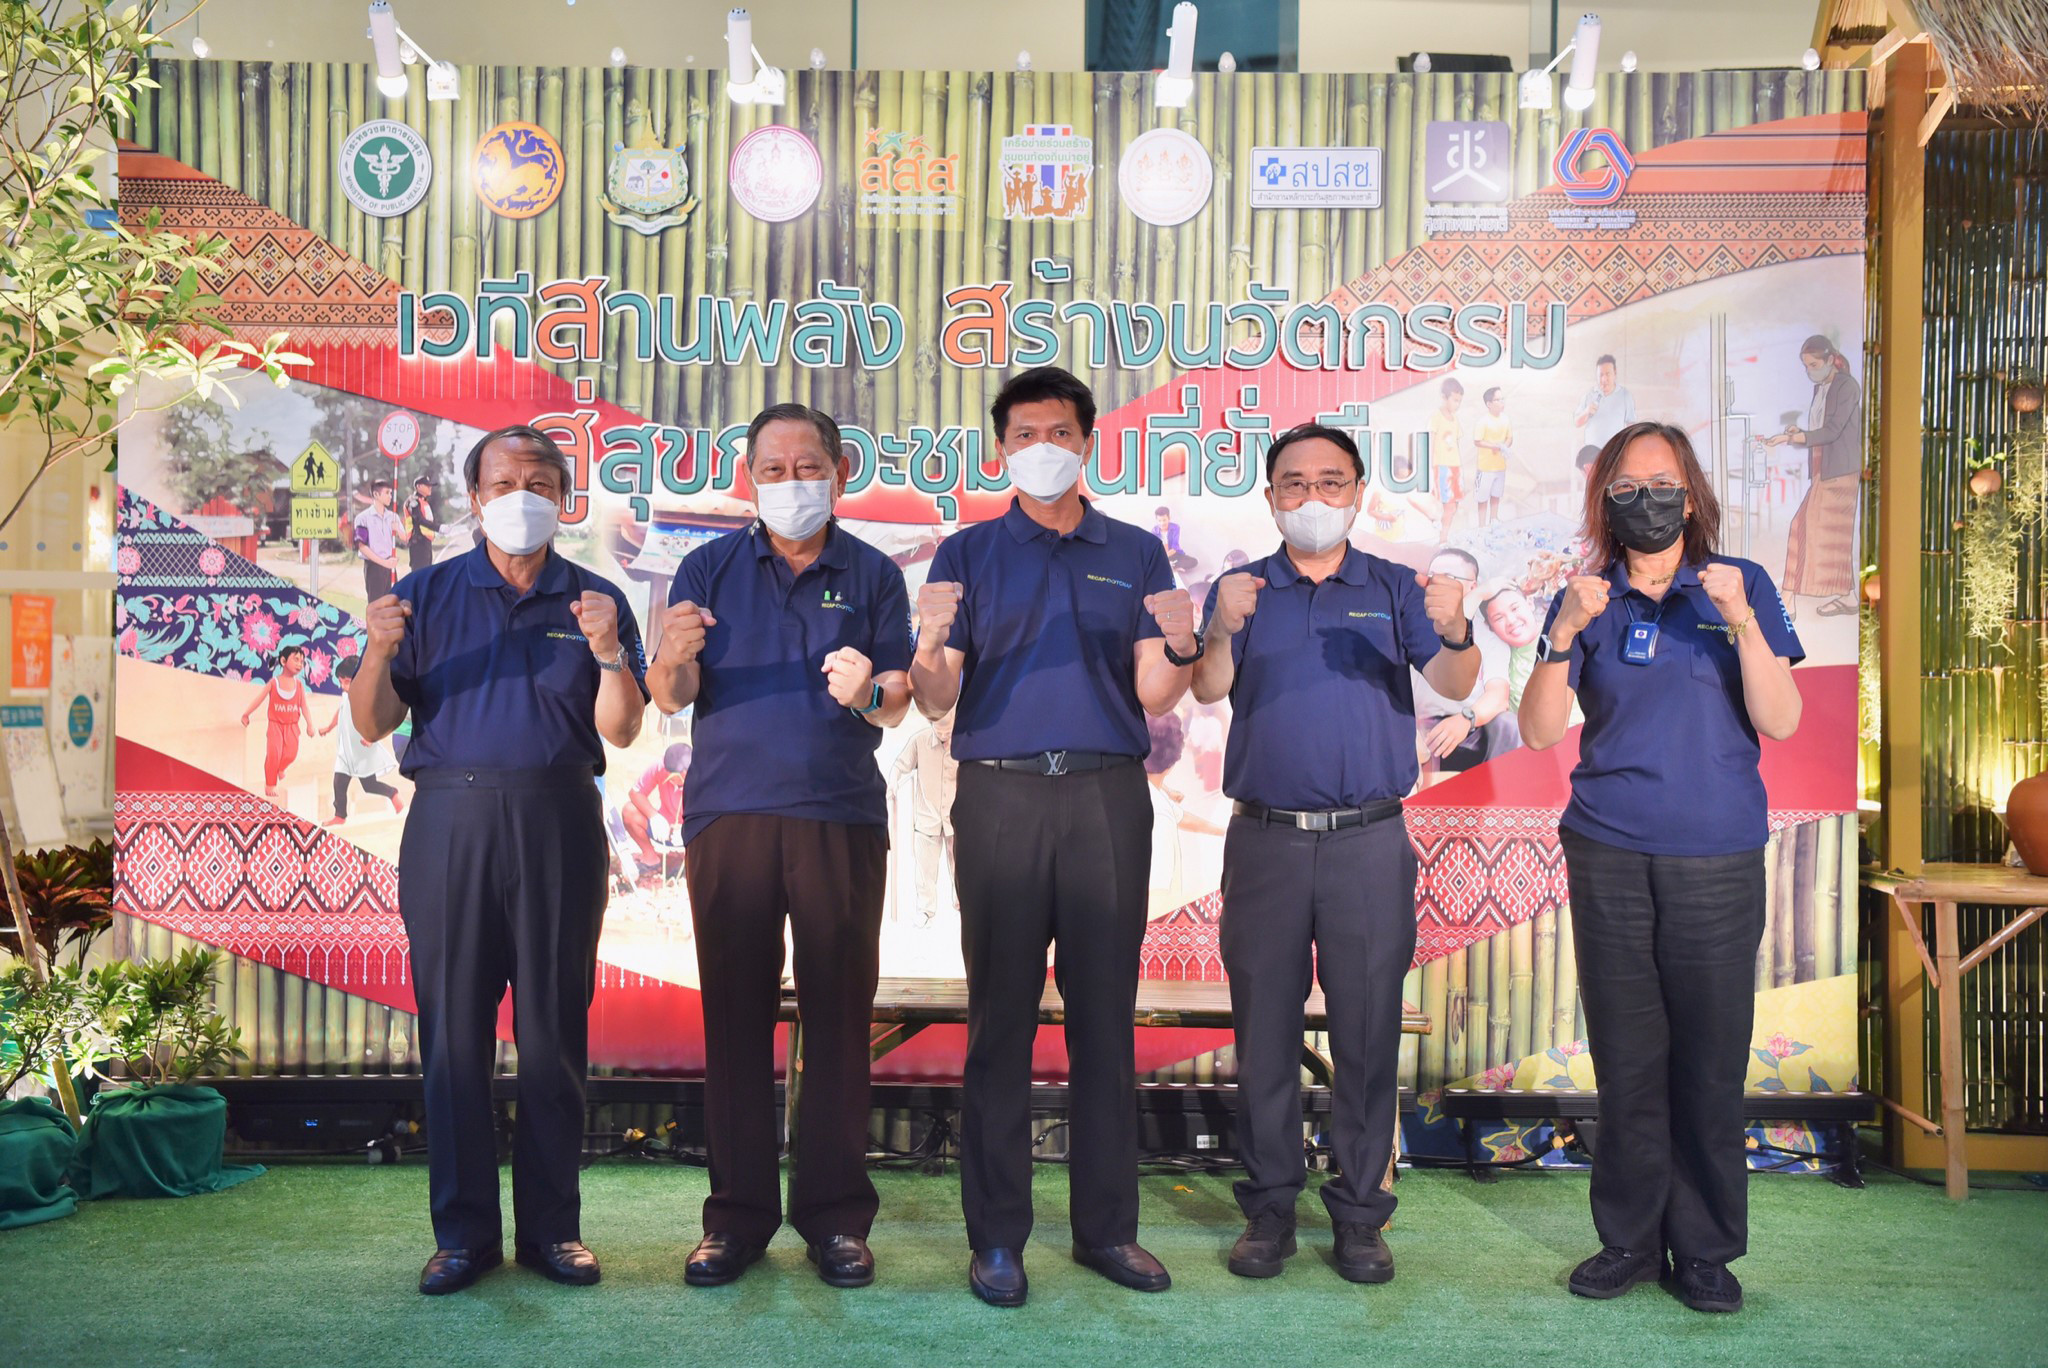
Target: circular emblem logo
517,169
775,173
398,434
385,167
79,720
1164,177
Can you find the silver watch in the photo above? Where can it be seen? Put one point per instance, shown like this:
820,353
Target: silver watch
616,663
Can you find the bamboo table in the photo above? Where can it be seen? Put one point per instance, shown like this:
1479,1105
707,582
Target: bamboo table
1945,886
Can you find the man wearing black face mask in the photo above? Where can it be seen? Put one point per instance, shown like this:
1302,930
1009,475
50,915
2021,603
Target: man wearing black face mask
1679,658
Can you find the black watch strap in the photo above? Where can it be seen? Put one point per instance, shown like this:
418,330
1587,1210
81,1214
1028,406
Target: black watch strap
1201,645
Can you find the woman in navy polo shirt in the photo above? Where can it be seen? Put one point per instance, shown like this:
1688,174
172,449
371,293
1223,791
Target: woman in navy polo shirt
1679,657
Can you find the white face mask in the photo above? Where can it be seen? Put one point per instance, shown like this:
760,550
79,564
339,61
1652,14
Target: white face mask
1315,527
521,523
794,509
1044,471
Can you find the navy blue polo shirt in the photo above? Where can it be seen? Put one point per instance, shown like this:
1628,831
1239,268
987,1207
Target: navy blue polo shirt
1049,624
501,680
1322,709
1668,758
769,736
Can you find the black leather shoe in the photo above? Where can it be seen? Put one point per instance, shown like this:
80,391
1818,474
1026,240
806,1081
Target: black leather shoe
1614,1271
451,1271
1130,1265
1362,1254
1705,1286
719,1258
565,1262
1262,1251
843,1261
997,1277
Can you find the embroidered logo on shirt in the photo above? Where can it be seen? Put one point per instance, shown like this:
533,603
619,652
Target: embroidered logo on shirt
1369,613
1109,580
834,599
559,635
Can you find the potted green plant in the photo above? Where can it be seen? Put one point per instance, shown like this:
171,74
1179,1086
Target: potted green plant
156,1133
45,1027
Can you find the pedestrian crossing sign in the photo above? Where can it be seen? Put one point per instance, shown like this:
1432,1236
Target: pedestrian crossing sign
314,471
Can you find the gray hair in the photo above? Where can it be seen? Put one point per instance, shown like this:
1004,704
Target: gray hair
827,428
531,440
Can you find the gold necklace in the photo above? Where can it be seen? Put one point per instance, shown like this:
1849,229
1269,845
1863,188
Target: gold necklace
1663,579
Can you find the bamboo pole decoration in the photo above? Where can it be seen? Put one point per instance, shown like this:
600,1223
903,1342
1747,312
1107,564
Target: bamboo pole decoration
1435,996
1500,1019
1564,1004
1478,1005
1521,990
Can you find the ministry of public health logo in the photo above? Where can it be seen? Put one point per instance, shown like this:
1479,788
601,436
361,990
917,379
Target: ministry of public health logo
385,168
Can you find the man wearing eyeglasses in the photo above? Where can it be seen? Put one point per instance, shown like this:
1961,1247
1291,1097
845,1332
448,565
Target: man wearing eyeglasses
1313,646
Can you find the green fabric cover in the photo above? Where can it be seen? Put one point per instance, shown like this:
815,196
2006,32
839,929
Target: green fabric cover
158,1142
36,1141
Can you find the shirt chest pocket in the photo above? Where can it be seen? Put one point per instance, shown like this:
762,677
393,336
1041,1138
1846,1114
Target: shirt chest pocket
1359,643
560,661
1713,658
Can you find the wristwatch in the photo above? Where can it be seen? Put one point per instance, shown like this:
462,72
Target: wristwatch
616,663
1546,653
874,702
1201,645
1457,646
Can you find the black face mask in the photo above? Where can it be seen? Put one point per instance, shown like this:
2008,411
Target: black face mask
1649,522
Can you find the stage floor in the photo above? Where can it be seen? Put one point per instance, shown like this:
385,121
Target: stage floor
315,1265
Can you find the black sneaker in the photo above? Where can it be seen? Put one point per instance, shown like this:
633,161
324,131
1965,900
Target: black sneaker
1362,1254
1705,1286
1614,1271
1262,1251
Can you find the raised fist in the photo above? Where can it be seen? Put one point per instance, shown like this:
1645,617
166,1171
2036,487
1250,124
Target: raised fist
1237,598
1174,611
682,632
1585,598
598,615
849,677
938,604
386,620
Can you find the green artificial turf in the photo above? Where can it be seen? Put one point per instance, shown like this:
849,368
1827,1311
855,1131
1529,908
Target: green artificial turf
315,1264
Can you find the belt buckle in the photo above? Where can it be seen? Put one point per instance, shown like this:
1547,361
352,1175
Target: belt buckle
1316,822
1055,762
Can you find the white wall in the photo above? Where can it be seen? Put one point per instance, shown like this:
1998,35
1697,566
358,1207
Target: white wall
1666,35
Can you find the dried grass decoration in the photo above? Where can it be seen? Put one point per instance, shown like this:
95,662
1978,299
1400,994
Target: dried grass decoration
2008,508
1992,51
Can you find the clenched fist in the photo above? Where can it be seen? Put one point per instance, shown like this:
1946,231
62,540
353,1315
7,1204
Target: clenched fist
1723,584
1585,598
682,632
1237,598
849,677
1443,599
386,620
1174,611
598,616
938,604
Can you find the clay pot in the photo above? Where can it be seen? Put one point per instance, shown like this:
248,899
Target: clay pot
1986,481
2026,817
2026,399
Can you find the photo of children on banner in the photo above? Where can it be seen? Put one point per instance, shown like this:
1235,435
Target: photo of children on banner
285,698
378,531
356,759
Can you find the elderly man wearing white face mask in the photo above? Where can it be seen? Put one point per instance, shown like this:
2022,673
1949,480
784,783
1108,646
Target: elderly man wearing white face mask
516,665
790,640
1313,647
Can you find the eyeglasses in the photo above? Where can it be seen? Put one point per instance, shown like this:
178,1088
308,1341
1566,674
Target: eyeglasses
1663,489
1329,487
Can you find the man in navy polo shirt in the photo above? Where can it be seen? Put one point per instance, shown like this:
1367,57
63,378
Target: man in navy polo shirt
1313,647
790,639
516,665
1055,630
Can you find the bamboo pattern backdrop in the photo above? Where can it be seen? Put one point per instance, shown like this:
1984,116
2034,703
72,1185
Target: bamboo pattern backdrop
271,130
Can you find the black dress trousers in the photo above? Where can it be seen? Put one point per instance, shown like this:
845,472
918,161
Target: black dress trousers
502,883
749,874
1044,860
1667,967
1348,896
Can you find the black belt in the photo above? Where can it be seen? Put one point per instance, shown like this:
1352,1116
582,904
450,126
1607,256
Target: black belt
1318,820
1059,762
480,777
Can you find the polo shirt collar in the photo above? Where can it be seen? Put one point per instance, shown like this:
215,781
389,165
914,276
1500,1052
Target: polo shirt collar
834,555
1688,576
553,579
1353,570
1094,526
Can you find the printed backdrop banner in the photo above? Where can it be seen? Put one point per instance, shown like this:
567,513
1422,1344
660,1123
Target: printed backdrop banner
1480,294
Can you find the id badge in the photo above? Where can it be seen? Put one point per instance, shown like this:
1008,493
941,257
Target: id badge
1640,644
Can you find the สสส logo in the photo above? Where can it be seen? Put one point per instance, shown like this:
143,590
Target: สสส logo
384,167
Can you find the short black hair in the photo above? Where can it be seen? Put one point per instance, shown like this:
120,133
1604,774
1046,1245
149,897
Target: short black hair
1162,509
1452,386
1467,557
1168,737
535,442
676,759
1041,383
376,485
348,668
286,652
827,427
1607,359
1302,433
426,480
1491,391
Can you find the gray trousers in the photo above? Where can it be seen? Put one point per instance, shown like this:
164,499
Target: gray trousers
1348,897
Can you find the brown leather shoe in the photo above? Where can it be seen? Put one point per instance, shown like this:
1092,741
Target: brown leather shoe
1130,1265
451,1271
567,1262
